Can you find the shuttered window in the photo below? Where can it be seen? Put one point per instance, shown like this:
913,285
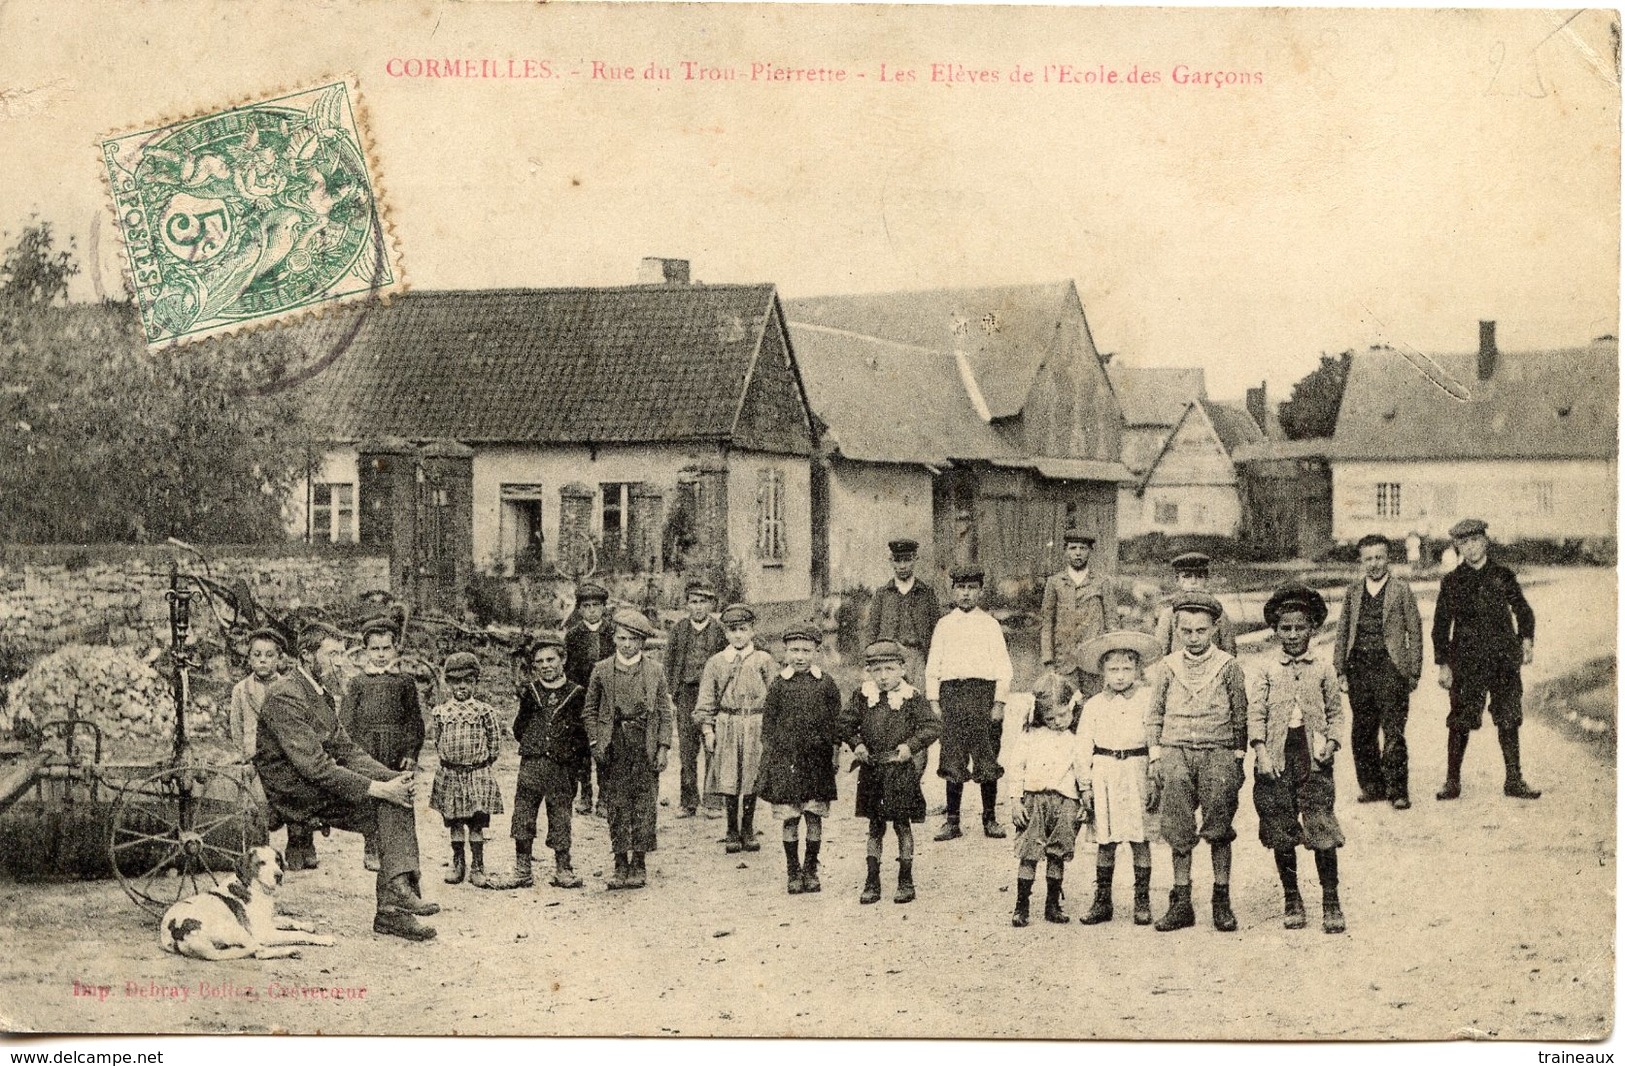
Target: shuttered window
770,538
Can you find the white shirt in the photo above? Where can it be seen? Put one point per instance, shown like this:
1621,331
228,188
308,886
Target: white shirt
593,627
1046,760
1079,577
628,663
1374,588
904,587
312,679
733,654
966,645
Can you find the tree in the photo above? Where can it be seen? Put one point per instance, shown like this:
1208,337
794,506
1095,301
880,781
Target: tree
1312,409
102,440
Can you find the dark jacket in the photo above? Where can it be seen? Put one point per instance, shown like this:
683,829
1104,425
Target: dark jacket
880,728
1401,626
306,760
687,651
584,649
801,731
1072,615
1481,619
599,713
383,714
910,620
549,724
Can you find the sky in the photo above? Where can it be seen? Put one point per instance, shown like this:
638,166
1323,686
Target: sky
1366,177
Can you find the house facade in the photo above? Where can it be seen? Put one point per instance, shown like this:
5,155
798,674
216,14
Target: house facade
978,421
641,430
1528,441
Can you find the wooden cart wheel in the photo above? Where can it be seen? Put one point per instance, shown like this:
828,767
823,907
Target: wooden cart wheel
179,830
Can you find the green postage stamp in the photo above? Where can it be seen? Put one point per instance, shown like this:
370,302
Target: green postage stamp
251,214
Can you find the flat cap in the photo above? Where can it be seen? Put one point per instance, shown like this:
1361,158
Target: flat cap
461,664
903,547
1295,597
633,621
378,624
967,575
1190,562
699,588
1143,645
1469,527
737,614
1198,601
883,651
547,638
1078,536
587,592
808,632
275,636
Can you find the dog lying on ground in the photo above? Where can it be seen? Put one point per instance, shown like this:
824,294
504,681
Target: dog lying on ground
238,920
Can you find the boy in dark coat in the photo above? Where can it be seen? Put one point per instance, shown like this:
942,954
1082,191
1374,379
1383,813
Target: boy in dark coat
904,610
552,746
587,643
801,741
629,725
689,646
1483,637
889,726
381,710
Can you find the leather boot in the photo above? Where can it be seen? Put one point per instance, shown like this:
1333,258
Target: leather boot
622,877
871,884
459,869
1331,919
1052,902
637,873
747,825
990,811
949,830
1224,919
301,853
476,864
1142,895
792,867
1455,751
905,882
400,923
563,875
992,828
1516,786
400,894
1180,914
1024,896
1295,917
521,877
809,869
1101,909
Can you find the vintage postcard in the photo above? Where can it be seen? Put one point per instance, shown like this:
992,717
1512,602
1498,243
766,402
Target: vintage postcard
930,521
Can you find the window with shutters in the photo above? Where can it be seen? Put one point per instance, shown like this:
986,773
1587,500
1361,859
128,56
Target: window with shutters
520,533
770,525
1388,499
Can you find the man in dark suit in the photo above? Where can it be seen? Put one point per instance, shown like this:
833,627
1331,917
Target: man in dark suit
1378,657
588,642
1483,636
314,773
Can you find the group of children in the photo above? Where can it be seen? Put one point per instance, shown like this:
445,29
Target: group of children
1143,731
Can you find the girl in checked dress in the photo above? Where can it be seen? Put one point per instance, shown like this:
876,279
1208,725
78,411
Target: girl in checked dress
466,736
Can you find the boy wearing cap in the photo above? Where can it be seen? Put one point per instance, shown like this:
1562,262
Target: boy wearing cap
467,738
1196,728
381,711
890,728
904,610
628,715
1483,636
1191,571
801,741
967,679
1115,783
552,746
1379,658
733,691
1079,605
586,644
689,646
1295,716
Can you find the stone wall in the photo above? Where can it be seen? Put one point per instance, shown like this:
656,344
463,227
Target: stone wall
114,594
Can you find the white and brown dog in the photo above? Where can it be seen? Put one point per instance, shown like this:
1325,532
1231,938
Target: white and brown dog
239,920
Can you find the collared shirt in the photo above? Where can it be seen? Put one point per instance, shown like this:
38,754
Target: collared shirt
1375,587
1299,670
699,627
968,644
733,654
627,664
904,587
1078,577
1197,702
815,670
317,685
592,627
1047,760
1114,720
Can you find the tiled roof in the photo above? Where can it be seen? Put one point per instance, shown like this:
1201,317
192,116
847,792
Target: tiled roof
1004,331
634,364
1156,395
1233,424
1560,403
887,402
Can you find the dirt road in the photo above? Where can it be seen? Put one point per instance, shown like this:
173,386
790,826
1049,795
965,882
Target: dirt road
1485,916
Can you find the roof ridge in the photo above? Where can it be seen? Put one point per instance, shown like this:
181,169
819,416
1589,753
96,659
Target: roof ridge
837,331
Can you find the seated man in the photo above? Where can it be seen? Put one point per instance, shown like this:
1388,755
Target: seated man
314,773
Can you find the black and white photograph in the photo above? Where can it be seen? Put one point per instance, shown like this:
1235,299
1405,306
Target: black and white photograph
808,521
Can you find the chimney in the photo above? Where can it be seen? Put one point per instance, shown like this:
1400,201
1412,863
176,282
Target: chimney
1486,350
1258,406
653,270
